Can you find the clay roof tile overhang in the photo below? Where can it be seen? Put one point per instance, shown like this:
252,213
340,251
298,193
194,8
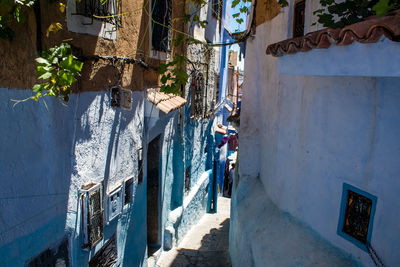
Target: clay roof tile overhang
368,31
165,102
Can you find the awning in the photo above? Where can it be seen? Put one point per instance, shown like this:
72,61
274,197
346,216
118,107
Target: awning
165,102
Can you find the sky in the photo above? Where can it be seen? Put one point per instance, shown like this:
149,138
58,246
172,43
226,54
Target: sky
236,27
235,47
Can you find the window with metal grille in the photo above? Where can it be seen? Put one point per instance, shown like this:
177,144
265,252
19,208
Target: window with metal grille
356,218
161,24
197,95
216,8
92,214
95,217
103,10
298,18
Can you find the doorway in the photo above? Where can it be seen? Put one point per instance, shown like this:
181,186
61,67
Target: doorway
153,193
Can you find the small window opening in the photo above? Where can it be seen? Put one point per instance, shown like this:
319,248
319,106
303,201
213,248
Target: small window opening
357,216
128,191
187,179
216,89
299,10
197,93
103,10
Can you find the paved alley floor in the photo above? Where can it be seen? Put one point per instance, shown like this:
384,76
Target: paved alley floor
206,244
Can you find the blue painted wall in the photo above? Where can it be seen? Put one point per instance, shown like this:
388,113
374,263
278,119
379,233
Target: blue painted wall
48,155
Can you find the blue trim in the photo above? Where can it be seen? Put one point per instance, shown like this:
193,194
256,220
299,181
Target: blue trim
346,188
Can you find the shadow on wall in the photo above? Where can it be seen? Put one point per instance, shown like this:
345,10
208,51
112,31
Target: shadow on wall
212,252
34,194
106,146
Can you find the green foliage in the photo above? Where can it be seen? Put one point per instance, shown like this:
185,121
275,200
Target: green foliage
243,6
12,11
339,15
384,6
58,69
174,75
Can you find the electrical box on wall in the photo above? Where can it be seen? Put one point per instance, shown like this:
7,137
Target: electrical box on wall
114,204
92,214
121,98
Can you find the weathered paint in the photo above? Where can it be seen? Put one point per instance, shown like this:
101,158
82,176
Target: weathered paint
304,136
50,155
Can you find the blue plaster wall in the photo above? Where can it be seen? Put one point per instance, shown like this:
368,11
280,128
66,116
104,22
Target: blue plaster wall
47,155
189,144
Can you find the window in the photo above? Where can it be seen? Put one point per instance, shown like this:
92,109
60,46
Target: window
102,10
128,188
161,23
197,93
187,179
356,215
216,89
298,18
216,8
92,214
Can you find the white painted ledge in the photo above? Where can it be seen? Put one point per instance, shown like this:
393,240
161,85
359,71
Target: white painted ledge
381,59
76,23
195,189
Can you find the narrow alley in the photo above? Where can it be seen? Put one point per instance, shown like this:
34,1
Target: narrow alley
206,244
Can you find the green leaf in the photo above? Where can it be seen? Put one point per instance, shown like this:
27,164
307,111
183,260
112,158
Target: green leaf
240,21
37,88
164,79
45,76
235,3
162,68
236,15
41,60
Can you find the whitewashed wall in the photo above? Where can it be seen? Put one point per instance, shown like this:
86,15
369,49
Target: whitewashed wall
304,136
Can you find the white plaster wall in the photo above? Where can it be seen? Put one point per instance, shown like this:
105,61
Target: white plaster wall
306,136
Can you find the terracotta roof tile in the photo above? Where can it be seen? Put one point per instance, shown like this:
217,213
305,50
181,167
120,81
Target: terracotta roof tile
165,102
367,31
